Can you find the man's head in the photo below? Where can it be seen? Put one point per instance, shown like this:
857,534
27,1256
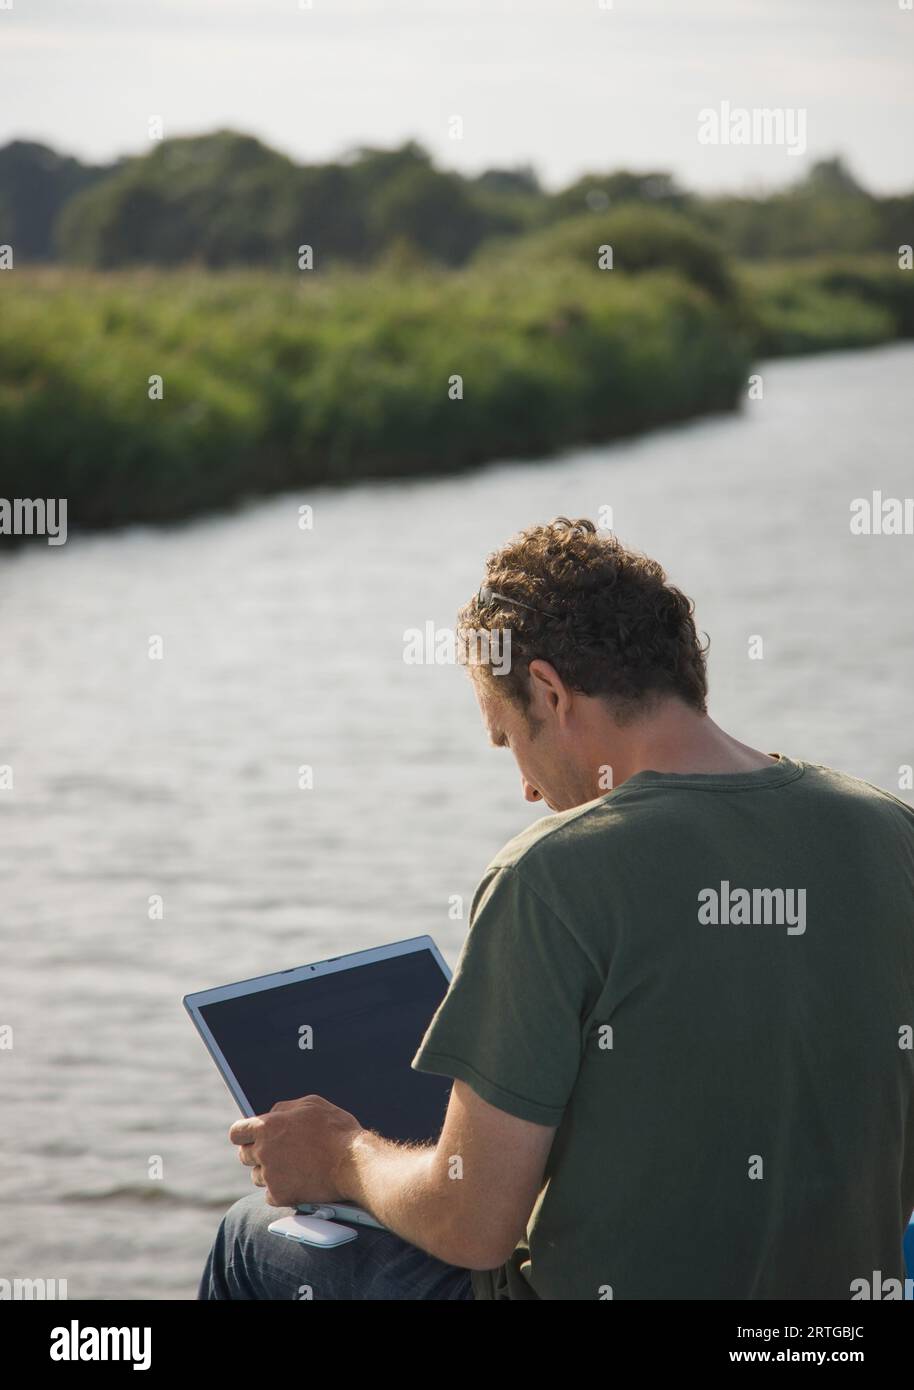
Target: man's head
601,647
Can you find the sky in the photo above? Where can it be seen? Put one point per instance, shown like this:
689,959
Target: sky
566,85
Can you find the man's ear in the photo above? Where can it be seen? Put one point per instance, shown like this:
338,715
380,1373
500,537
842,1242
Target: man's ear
548,692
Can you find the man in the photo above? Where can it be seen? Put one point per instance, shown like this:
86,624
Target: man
680,1026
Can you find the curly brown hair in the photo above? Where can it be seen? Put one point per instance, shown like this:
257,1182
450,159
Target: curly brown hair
604,616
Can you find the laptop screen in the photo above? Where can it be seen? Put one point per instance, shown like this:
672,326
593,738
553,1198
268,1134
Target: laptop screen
348,1036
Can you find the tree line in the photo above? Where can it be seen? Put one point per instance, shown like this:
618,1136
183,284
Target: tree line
227,200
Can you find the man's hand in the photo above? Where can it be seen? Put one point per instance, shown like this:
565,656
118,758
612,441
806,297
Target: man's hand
470,1214
295,1151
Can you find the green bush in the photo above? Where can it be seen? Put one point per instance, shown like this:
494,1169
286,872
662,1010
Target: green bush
273,382
828,303
643,238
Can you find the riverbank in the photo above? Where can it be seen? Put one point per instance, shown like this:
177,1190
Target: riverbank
153,396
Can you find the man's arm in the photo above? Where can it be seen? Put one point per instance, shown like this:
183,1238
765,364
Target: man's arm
468,1199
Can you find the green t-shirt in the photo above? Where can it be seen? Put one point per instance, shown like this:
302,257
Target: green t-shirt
705,982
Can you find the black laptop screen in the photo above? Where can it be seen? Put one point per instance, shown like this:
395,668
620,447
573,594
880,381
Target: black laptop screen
365,1026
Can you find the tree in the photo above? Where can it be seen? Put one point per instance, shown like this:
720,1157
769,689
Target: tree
35,183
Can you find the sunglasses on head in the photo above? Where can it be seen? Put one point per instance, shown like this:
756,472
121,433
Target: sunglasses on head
485,596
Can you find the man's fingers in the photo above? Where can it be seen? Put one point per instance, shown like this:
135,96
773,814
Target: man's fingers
292,1104
257,1176
246,1131
246,1155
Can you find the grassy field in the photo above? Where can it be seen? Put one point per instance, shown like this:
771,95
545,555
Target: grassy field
290,382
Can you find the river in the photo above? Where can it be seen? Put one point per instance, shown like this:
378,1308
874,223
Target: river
283,647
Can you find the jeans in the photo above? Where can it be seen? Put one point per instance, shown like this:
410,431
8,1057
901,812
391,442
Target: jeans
248,1262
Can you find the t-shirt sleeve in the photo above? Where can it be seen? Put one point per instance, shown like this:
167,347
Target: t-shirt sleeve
512,1023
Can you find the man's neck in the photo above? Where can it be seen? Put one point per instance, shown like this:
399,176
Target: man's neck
680,740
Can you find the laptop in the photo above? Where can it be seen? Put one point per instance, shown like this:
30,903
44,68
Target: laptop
346,1029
